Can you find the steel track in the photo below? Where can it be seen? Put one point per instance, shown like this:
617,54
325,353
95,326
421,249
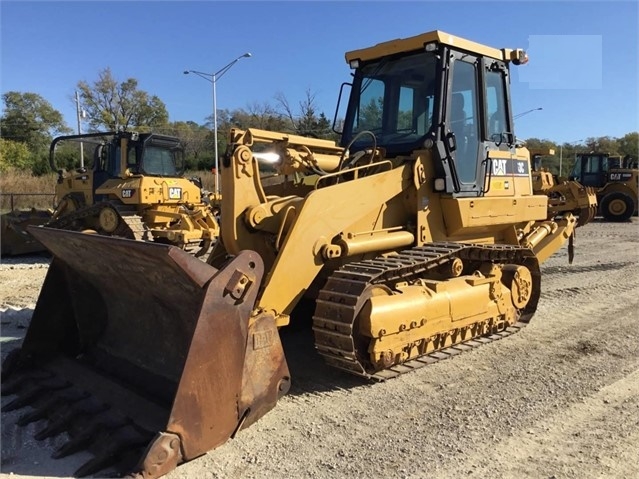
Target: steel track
341,299
130,227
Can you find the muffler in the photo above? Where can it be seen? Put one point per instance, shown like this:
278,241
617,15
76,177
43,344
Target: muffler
143,354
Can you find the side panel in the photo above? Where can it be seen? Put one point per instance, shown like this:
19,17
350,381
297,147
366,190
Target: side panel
464,213
508,176
77,183
151,191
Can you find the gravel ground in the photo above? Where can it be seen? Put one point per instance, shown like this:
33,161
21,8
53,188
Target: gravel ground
560,399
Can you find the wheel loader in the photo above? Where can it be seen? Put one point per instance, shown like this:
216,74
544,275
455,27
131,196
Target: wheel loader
615,180
417,237
135,189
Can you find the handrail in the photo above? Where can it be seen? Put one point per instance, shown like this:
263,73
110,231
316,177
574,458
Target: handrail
354,170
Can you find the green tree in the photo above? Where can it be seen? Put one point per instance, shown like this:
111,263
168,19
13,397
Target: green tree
549,161
604,144
14,154
30,119
197,141
256,115
629,144
307,121
113,105
371,115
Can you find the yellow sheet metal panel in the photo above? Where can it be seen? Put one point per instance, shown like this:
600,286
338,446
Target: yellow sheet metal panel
461,213
417,43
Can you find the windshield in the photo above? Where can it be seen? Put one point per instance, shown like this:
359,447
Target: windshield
394,99
158,155
159,161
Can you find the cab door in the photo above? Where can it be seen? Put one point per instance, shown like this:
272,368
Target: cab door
462,123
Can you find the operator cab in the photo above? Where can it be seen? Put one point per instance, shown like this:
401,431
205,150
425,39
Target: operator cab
591,169
435,91
145,154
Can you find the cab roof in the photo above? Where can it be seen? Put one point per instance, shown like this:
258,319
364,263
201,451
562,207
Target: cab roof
417,42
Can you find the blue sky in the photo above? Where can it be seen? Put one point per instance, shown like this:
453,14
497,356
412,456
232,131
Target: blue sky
583,68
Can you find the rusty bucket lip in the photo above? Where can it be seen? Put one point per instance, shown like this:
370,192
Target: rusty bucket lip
56,242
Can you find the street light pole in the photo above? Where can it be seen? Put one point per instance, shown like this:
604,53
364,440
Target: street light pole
519,115
217,161
213,78
80,114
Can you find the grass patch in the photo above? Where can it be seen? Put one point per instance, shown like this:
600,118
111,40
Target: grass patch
24,191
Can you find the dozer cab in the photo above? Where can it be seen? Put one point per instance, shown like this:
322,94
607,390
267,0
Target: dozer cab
133,189
615,179
417,237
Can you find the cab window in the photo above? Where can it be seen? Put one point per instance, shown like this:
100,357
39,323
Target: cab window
371,107
463,120
496,106
159,161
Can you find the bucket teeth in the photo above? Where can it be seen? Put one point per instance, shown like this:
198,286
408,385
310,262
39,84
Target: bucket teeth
22,380
55,427
35,391
117,444
69,414
98,426
25,398
66,396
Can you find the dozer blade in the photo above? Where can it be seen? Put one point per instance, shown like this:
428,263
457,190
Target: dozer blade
143,354
575,198
587,200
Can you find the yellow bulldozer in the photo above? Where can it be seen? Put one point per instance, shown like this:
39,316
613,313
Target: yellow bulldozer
133,189
417,237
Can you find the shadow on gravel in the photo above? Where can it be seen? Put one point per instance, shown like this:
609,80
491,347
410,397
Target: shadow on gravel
13,327
309,372
43,258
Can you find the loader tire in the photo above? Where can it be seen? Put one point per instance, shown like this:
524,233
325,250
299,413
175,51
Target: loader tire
617,206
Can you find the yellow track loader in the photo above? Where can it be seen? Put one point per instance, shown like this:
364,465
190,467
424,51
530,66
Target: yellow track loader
418,236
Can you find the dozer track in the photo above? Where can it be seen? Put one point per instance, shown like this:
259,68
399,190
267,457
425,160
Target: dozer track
343,296
130,227
133,222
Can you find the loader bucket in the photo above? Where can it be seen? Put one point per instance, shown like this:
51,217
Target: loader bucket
143,354
14,238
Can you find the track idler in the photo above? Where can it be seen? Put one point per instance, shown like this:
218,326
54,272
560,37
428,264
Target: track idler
144,355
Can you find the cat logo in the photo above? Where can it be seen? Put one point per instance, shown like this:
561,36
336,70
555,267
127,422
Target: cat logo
615,176
128,193
499,167
175,193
